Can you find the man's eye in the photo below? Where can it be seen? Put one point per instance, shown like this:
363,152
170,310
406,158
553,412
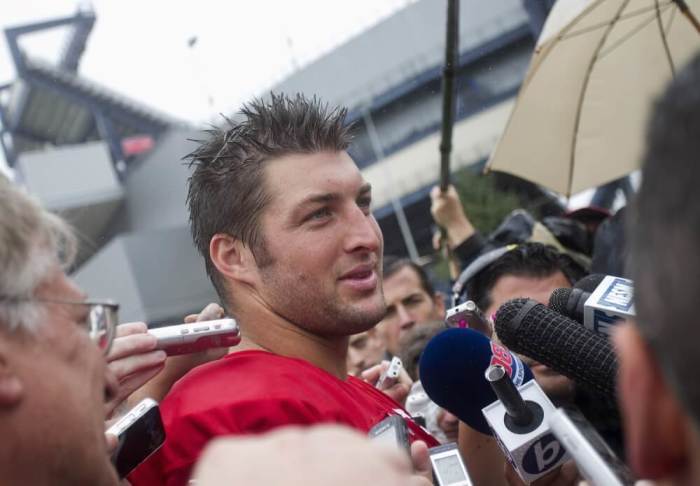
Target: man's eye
82,319
415,300
364,202
319,214
359,344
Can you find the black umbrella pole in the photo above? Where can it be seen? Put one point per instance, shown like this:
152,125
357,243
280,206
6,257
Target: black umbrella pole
448,97
689,15
448,112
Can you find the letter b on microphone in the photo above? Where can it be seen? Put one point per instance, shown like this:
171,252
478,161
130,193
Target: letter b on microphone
542,455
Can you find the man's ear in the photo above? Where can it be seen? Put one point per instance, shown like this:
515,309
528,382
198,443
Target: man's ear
233,259
656,426
11,386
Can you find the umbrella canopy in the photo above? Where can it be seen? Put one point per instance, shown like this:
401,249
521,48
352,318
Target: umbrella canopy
579,119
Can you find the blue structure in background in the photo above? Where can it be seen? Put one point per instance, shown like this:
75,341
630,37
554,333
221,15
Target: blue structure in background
51,104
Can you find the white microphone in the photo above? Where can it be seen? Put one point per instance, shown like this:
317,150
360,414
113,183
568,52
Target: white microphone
611,301
520,422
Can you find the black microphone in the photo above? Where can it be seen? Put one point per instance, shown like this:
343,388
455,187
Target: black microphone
530,328
589,282
569,301
600,310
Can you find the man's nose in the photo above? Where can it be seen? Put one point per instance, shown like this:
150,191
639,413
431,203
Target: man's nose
405,317
364,233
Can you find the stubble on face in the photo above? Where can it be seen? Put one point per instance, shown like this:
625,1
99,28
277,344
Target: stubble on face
298,299
309,255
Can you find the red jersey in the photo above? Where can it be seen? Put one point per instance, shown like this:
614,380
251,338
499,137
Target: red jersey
251,392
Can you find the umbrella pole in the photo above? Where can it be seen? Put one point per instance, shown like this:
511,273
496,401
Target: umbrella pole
683,7
448,98
448,110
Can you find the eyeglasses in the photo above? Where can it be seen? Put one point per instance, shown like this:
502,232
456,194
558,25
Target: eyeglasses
103,317
100,323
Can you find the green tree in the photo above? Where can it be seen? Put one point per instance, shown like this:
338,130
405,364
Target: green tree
484,204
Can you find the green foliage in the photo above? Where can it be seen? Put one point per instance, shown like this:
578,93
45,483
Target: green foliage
484,204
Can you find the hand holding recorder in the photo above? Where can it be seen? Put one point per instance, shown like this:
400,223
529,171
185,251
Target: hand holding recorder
391,378
177,366
134,360
139,434
198,336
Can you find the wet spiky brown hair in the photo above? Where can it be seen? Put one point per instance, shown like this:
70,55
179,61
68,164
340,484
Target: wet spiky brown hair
226,193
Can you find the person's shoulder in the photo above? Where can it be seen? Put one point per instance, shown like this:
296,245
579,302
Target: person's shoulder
249,375
252,391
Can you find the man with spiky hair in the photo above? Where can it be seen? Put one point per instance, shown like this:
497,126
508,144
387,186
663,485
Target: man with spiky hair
281,215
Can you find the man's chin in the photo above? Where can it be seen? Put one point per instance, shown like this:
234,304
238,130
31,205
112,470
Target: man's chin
363,319
372,306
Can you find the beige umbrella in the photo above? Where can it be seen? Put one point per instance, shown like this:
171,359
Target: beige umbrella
580,116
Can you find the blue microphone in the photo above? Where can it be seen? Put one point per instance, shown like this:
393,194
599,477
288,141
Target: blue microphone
452,369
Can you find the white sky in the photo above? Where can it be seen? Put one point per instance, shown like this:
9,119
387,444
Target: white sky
139,48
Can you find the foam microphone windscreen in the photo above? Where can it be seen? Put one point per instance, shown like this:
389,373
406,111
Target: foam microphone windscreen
530,328
570,301
589,282
452,370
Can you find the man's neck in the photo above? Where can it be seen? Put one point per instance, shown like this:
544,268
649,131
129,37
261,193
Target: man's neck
263,329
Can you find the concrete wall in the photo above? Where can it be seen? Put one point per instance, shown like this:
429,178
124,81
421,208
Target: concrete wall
79,183
156,276
70,176
155,191
400,47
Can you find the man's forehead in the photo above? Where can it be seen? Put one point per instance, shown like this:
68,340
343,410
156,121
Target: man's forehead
295,177
515,286
357,337
57,285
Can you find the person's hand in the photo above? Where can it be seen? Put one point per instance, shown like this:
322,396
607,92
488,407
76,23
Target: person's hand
111,440
112,443
420,459
294,456
448,213
134,361
564,475
449,424
177,366
399,390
